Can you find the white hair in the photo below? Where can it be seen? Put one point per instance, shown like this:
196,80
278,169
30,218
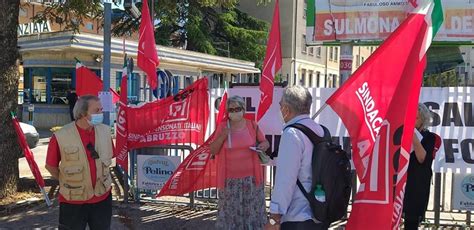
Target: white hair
425,115
82,106
298,99
235,100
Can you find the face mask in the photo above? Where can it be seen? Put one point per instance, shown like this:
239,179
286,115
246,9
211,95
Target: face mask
237,116
282,117
96,119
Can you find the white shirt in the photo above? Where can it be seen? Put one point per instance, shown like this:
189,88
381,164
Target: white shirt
294,161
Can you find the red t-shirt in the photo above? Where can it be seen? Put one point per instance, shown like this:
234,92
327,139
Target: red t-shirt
53,158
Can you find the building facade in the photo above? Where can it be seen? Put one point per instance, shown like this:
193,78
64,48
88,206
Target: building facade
310,66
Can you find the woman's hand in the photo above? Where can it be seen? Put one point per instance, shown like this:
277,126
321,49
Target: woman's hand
263,146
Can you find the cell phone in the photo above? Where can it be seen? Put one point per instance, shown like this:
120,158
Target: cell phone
255,149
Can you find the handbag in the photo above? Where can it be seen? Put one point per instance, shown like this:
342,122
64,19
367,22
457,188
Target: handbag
264,158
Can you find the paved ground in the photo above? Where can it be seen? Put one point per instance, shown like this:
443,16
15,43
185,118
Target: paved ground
130,216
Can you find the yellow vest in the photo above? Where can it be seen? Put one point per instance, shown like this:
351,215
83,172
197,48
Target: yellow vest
75,182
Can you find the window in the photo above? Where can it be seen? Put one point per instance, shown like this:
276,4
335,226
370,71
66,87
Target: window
328,80
336,53
36,85
318,51
331,53
303,44
371,49
61,83
133,86
362,62
357,61
305,8
318,74
310,76
90,26
303,77
311,51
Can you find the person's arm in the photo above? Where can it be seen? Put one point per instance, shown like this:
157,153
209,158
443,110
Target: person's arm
221,133
53,157
264,144
420,152
288,165
54,171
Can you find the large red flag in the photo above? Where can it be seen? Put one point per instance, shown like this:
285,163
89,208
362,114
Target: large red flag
147,58
271,65
198,170
122,125
181,118
378,105
87,82
30,158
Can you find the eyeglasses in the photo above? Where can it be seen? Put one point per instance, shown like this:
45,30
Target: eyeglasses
91,148
235,110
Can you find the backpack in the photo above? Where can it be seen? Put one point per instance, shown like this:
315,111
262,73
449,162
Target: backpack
331,171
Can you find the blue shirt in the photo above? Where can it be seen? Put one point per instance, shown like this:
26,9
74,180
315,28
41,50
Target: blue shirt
294,161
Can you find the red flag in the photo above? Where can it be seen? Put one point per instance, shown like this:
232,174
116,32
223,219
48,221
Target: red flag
87,82
147,58
30,158
197,171
378,105
181,118
122,125
222,112
271,65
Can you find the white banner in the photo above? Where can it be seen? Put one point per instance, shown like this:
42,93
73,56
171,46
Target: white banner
463,192
153,171
452,111
345,20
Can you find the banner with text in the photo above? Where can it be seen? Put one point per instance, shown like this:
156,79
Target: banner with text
181,119
463,192
345,20
452,119
153,171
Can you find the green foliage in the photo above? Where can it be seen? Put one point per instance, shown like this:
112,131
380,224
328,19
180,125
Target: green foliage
71,13
247,35
214,26
445,79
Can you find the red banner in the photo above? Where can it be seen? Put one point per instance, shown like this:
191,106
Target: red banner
271,64
198,170
87,82
178,119
378,106
122,128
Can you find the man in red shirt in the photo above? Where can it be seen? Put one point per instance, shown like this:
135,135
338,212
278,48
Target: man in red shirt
79,156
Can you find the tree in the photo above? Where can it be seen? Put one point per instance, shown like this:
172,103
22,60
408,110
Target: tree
9,149
71,13
208,28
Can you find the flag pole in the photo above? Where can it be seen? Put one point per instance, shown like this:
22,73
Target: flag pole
46,198
319,111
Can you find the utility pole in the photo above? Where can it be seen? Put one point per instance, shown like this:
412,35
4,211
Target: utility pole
106,67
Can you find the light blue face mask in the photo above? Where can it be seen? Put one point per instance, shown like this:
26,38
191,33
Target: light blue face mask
96,119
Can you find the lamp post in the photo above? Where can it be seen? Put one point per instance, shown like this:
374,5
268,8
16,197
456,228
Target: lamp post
106,66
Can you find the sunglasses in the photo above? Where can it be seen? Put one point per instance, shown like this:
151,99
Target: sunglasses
91,148
235,110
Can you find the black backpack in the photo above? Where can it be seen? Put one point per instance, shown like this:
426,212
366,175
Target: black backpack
331,169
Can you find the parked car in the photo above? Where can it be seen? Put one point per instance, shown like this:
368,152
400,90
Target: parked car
32,136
